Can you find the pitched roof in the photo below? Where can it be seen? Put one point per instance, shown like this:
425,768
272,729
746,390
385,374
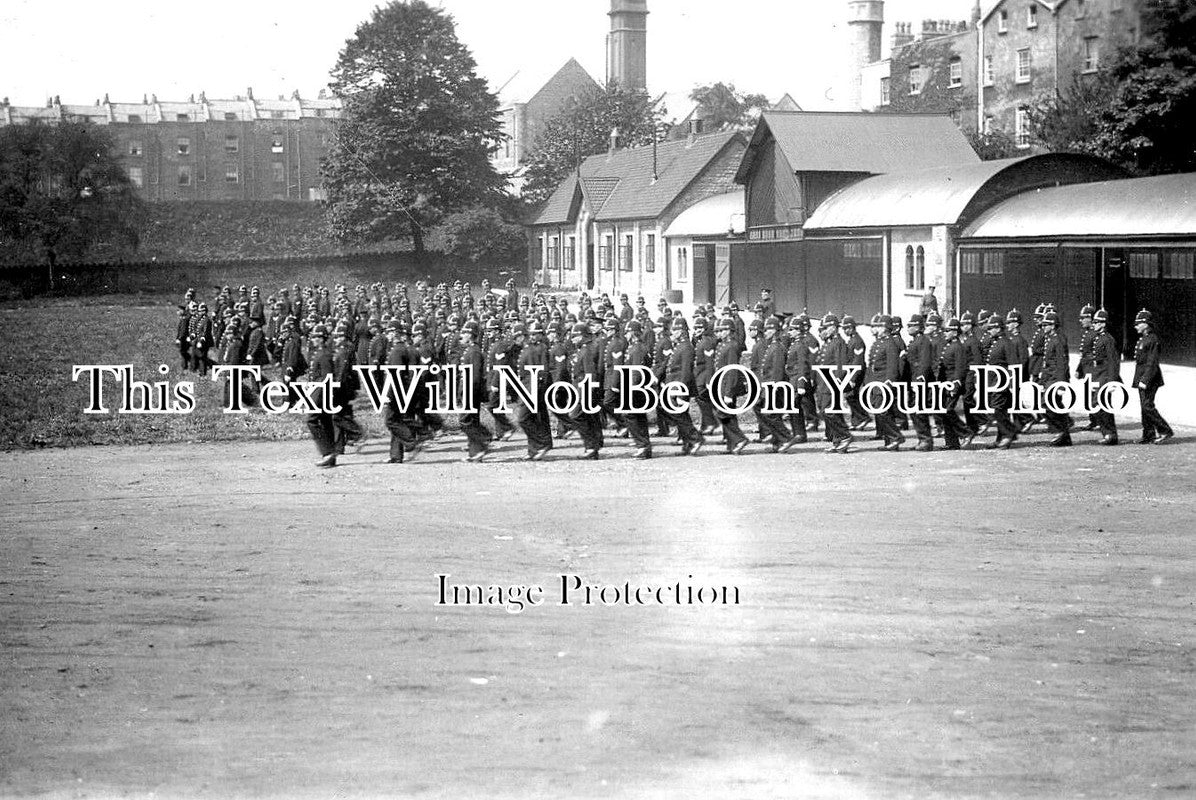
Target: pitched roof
1163,205
524,85
944,195
620,185
832,141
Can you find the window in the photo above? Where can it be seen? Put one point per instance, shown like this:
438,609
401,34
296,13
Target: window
1003,22
1023,65
915,79
956,73
279,171
134,118
232,144
682,264
626,253
184,145
184,175
650,253
1181,266
232,174
1021,128
1032,16
988,70
571,252
182,117
866,250
884,91
276,114
230,116
972,262
920,269
276,144
1144,265
319,112
1091,54
552,257
136,177
994,264
135,147
604,253
909,266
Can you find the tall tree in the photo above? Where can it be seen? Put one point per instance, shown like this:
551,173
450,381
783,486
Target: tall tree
64,196
417,130
1138,113
583,129
721,105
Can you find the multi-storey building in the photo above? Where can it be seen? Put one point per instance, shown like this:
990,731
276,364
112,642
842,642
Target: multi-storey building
988,72
208,149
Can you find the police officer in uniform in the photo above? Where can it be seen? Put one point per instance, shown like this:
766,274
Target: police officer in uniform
1105,368
1055,369
474,372
1148,377
638,355
832,355
583,365
731,386
680,368
535,425
884,366
922,367
953,368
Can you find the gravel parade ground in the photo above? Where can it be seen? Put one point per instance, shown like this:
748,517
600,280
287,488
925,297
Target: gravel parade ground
221,620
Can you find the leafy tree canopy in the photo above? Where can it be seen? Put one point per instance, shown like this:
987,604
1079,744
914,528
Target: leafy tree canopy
583,129
721,106
64,196
417,129
1138,111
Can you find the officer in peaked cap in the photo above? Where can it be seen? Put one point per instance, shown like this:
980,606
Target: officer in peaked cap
585,370
1000,355
1148,377
533,354
923,368
858,356
473,375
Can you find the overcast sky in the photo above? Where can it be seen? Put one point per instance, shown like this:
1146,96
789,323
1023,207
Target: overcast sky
80,49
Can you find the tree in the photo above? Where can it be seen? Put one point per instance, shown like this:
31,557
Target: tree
417,130
583,128
993,145
722,106
1068,122
63,195
1138,112
480,235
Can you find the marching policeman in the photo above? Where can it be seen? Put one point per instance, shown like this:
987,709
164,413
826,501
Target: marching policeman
1105,367
680,368
832,355
474,379
638,355
1148,377
922,367
534,353
585,370
953,368
1055,369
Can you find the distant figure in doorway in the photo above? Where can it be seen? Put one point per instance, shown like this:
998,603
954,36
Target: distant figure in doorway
929,302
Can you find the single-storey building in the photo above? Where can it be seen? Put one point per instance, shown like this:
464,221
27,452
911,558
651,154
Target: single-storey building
604,228
1124,245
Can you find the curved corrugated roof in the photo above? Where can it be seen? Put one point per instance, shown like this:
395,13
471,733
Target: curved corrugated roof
952,194
1160,206
921,197
714,215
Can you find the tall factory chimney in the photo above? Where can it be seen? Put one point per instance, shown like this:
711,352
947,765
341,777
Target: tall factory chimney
865,22
627,44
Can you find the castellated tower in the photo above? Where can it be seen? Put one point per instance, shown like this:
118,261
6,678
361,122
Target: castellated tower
864,22
627,44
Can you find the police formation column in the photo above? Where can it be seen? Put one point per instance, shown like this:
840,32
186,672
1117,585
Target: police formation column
505,363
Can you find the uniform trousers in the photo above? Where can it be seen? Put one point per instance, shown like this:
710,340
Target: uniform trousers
1152,421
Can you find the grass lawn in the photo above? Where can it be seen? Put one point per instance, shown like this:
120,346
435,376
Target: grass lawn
40,342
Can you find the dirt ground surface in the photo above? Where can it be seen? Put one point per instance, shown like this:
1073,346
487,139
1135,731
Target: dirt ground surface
225,620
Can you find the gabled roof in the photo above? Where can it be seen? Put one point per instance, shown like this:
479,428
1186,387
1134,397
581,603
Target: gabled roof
561,207
1163,205
525,85
945,195
832,141
620,185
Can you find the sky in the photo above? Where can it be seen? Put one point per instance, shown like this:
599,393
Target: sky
80,50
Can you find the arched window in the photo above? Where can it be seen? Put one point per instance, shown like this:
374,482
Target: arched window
909,267
920,269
